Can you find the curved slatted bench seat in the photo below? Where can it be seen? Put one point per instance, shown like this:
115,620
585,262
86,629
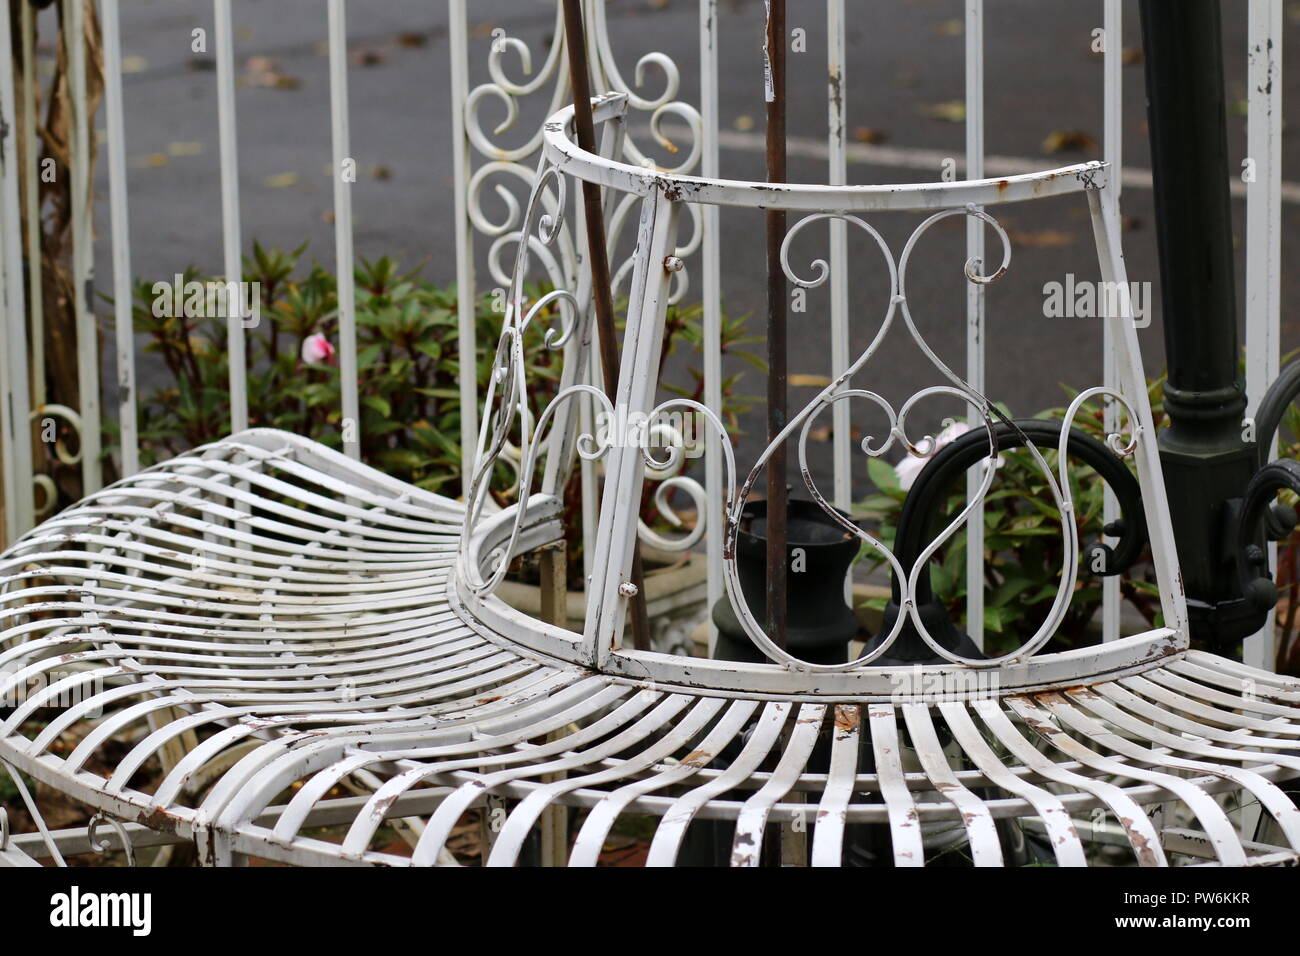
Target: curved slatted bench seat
280,617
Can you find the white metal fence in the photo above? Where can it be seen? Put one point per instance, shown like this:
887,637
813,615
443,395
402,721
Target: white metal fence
480,161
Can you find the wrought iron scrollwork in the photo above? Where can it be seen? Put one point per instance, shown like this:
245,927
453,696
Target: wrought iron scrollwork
103,844
925,504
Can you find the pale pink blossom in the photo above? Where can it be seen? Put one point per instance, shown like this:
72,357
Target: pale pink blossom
317,350
911,465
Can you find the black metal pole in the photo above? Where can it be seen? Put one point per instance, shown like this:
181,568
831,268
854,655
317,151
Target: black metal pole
776,328
1205,457
602,298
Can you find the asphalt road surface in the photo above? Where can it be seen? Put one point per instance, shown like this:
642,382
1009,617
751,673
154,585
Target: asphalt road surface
905,71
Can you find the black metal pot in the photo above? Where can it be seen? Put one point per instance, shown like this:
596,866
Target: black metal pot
818,553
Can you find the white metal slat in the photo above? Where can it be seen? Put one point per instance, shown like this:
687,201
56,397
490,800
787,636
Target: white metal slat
672,827
1141,834
1213,819
904,819
747,846
675,735
985,847
591,837
1170,712
832,811
1055,818
468,755
1269,795
568,755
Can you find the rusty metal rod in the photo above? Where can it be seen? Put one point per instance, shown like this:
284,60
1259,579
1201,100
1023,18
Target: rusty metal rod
776,326
576,39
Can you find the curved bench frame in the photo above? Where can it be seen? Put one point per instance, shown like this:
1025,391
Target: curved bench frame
521,527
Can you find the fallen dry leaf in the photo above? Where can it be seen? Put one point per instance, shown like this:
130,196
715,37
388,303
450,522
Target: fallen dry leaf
743,123
809,381
869,134
953,111
1043,237
1068,140
366,58
262,71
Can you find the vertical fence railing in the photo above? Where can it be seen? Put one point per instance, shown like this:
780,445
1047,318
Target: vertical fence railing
341,143
458,32
83,262
711,286
121,233
231,231
14,387
1263,175
975,376
837,173
1113,154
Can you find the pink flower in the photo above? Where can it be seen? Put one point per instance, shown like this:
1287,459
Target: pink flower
317,350
911,466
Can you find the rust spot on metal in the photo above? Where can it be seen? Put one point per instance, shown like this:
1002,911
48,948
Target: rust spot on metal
848,717
1141,845
157,819
697,758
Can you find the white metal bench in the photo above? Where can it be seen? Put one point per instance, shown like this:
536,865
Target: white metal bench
302,643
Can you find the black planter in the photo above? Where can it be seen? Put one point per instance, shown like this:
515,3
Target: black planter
820,624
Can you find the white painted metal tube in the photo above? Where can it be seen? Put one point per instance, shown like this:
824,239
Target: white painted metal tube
837,175
338,46
1113,153
231,238
568,158
458,39
1263,175
14,387
975,376
32,200
710,253
82,254
125,327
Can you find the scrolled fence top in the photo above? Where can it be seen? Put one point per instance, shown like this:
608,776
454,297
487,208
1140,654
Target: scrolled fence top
563,152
